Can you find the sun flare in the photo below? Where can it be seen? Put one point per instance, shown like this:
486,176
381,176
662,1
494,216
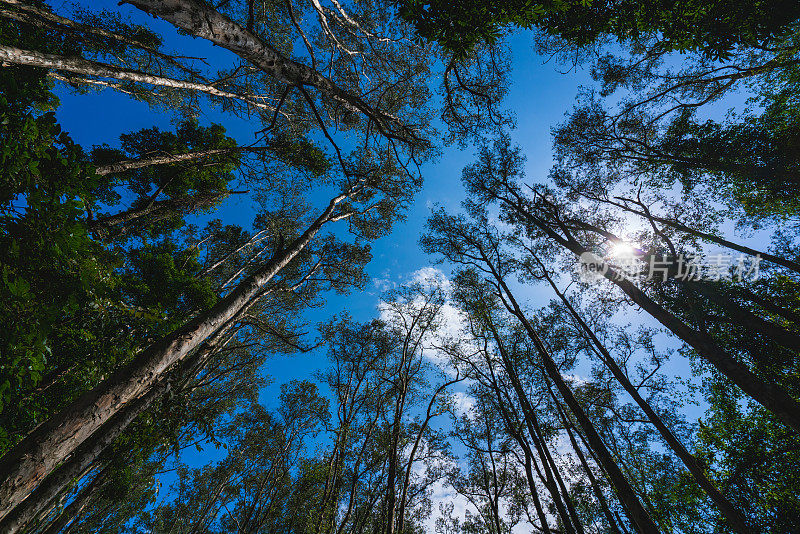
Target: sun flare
622,250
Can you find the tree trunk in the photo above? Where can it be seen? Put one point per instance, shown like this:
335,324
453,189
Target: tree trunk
33,458
532,424
83,457
636,512
156,211
573,514
73,510
88,452
598,491
202,20
768,305
734,518
417,441
391,475
516,433
30,13
777,333
85,67
165,159
537,504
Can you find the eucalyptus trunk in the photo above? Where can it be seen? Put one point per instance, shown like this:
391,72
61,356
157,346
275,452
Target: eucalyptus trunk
201,20
634,509
734,518
85,67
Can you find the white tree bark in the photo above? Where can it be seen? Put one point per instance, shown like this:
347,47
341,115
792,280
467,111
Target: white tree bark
165,159
85,67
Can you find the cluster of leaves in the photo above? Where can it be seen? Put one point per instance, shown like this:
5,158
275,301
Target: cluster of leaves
713,28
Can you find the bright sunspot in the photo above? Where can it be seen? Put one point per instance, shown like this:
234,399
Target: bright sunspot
622,250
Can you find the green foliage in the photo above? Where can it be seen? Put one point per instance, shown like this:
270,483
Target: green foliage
713,28
757,458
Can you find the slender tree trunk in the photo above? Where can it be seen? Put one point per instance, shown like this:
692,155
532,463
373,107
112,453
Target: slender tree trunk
598,491
777,333
492,489
32,459
515,432
165,159
202,20
29,13
155,211
532,425
573,514
417,441
73,510
537,504
580,436
391,481
768,305
734,518
637,513
85,67
88,452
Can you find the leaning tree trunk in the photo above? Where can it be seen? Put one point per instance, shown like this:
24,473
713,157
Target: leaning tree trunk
598,491
560,480
414,448
71,513
734,518
86,455
537,503
636,512
32,459
777,333
83,457
166,159
532,424
155,211
43,18
515,432
638,515
85,67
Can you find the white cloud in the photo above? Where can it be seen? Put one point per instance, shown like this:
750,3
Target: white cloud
383,284
441,493
464,404
574,379
431,277
451,321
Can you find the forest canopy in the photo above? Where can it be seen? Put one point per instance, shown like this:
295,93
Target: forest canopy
198,334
